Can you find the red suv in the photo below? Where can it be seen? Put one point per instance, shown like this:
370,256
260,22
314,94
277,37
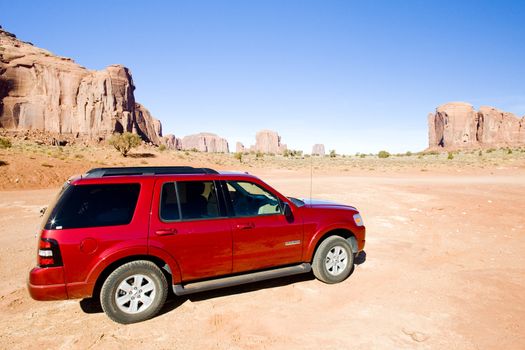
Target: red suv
129,234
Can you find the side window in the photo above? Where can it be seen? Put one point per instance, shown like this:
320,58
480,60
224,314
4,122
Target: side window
169,205
94,205
249,199
189,200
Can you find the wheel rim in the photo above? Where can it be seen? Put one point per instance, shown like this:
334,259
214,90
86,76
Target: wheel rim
336,260
135,294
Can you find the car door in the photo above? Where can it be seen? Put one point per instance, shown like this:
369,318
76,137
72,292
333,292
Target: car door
189,223
262,236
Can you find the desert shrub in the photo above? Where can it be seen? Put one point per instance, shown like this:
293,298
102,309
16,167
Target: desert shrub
125,142
362,155
430,153
480,153
238,156
194,149
259,154
490,150
162,148
5,143
383,154
333,154
509,151
450,155
79,156
408,153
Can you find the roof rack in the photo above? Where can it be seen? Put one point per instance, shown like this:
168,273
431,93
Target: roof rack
147,170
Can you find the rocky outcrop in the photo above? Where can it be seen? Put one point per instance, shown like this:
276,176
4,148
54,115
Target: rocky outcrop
268,141
239,147
459,125
205,142
318,150
44,92
172,142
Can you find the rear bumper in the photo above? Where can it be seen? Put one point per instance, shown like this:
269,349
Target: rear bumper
47,283
49,292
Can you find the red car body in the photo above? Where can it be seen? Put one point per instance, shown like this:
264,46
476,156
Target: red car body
227,245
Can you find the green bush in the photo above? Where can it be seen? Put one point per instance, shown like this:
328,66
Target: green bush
408,154
125,142
162,148
333,154
450,155
5,143
383,154
238,156
362,155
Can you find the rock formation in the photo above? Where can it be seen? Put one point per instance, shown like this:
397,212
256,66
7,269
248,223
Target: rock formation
205,142
459,125
318,150
172,142
239,147
44,92
268,141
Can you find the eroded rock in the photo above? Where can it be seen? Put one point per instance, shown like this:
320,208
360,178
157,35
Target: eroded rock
459,125
45,92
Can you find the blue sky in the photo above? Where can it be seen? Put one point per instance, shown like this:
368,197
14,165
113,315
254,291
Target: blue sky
358,76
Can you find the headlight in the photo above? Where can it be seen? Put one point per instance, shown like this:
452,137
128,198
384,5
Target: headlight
358,220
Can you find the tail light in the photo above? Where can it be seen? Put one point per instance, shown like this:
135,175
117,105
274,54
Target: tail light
49,253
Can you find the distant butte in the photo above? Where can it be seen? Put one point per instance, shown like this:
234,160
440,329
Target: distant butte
457,125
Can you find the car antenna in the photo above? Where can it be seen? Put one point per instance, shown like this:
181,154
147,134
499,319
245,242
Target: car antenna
311,175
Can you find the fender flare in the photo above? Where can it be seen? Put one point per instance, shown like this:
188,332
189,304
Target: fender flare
324,232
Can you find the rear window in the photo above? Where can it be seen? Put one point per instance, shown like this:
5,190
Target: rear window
94,205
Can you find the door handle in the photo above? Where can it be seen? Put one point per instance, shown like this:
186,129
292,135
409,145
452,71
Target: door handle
246,226
166,232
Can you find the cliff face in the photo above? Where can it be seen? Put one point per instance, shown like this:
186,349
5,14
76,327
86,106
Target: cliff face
459,125
268,141
41,91
205,142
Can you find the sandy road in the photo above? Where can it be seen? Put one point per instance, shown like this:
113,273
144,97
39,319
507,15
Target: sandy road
444,269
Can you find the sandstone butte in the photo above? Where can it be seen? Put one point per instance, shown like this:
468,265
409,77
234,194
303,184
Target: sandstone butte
318,150
205,142
44,92
268,141
458,125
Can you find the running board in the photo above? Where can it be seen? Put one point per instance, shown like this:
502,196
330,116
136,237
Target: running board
203,286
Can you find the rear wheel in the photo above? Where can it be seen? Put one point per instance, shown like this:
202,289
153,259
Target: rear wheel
333,260
134,292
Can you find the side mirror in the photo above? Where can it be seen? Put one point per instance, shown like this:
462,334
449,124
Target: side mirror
287,212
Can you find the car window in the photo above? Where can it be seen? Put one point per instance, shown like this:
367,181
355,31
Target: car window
94,205
249,199
189,200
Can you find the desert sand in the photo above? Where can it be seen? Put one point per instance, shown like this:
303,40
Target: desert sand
444,265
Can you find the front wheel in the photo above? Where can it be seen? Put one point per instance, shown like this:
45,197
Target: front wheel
333,260
134,292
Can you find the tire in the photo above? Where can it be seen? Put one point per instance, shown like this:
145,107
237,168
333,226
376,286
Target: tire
333,260
134,292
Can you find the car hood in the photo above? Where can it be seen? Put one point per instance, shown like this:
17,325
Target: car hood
322,204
